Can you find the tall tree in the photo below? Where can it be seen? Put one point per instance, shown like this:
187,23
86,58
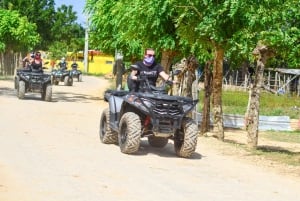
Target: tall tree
107,33
262,54
65,28
227,27
133,26
281,38
40,12
16,33
52,25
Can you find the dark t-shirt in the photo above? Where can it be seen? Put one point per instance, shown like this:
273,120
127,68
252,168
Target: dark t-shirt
151,72
36,66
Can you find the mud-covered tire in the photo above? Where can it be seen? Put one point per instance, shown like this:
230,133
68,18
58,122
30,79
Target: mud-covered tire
185,139
48,93
107,135
21,89
129,133
158,142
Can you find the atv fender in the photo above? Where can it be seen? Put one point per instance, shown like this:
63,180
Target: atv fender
115,105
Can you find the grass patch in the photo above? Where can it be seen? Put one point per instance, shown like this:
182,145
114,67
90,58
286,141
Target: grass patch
235,102
278,154
10,77
282,155
282,136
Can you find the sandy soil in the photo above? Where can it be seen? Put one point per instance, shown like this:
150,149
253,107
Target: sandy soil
50,151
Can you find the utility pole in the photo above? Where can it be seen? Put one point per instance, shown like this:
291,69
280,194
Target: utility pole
86,46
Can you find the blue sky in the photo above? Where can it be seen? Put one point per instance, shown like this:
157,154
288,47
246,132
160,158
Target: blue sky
77,6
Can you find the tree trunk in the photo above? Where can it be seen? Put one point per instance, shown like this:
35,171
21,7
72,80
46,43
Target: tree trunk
120,69
8,61
218,128
252,115
191,64
205,125
166,60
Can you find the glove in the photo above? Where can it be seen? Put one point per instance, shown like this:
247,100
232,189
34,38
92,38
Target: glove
169,82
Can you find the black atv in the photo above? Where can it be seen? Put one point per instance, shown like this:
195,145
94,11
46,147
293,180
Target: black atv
61,75
150,113
75,73
35,81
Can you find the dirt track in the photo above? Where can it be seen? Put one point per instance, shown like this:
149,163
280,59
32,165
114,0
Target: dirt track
50,151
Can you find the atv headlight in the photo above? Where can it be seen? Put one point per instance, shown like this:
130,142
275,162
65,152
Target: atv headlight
148,104
144,104
25,76
187,107
46,78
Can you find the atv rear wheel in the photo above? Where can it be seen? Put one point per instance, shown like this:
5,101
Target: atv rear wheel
185,139
129,133
158,142
21,89
107,135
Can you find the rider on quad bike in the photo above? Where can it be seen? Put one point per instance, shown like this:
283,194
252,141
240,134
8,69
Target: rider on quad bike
75,73
63,65
147,111
62,74
33,79
36,62
146,68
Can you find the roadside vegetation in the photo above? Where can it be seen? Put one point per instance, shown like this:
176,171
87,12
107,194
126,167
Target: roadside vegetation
289,154
279,155
235,102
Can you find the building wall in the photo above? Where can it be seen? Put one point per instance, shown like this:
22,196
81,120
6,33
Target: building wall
100,64
97,64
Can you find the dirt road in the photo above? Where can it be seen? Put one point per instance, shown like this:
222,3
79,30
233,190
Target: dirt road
50,151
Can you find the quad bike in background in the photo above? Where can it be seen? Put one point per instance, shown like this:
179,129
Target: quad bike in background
75,73
61,75
150,113
34,81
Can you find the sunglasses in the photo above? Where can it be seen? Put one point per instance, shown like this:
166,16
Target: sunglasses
38,54
150,55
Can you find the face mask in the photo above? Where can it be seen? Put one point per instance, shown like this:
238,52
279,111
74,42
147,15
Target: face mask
148,60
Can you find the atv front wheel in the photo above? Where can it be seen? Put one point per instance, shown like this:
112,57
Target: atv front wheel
158,142
21,89
17,82
70,81
66,81
107,135
80,78
185,139
129,133
48,93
